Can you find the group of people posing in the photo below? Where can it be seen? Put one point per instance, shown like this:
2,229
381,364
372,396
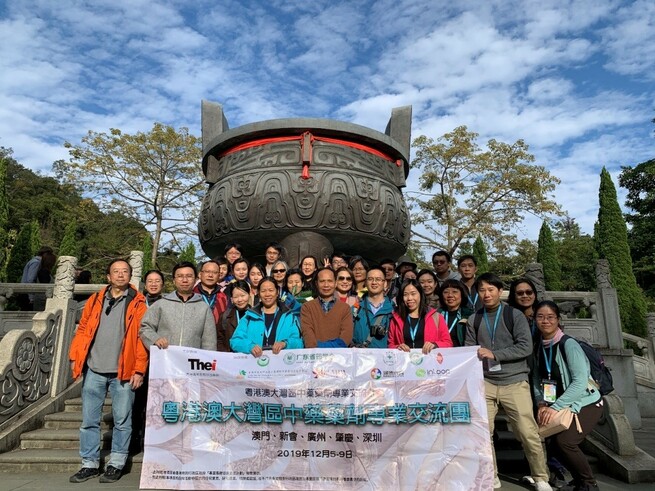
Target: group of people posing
229,304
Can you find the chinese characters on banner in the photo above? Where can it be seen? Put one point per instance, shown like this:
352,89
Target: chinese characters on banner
317,419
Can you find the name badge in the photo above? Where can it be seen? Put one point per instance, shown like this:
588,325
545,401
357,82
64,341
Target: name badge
549,390
493,365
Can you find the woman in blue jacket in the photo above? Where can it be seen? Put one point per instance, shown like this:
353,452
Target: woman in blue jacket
268,326
561,379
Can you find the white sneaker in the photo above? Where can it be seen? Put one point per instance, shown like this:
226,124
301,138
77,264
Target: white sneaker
497,483
542,486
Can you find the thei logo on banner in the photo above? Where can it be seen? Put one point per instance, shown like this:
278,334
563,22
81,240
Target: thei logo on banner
197,364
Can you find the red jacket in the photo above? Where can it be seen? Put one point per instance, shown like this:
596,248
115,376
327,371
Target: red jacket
437,334
134,356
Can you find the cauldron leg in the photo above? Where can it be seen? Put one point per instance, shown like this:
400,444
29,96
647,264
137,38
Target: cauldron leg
303,244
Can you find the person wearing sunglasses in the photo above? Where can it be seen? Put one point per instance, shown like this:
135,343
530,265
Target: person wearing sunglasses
442,262
107,352
345,285
279,272
371,321
523,296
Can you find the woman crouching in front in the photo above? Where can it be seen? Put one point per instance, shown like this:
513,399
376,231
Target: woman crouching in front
268,326
562,379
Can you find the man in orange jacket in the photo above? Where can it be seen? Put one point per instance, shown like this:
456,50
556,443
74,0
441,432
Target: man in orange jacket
108,353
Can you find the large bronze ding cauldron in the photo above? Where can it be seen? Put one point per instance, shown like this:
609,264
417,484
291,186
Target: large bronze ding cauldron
315,185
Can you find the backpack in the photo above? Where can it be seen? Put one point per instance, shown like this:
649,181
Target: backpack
599,371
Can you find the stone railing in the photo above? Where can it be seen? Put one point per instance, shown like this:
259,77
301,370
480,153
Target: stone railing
645,362
33,362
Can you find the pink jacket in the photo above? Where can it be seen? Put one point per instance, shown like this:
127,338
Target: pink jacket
437,334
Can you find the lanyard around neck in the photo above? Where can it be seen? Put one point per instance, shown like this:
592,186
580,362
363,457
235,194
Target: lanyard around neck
413,330
458,317
492,333
268,329
548,359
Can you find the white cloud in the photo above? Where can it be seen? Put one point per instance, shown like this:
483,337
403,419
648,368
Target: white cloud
568,77
630,41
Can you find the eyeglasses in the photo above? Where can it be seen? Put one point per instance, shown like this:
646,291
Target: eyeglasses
344,278
112,301
153,282
278,270
524,293
549,318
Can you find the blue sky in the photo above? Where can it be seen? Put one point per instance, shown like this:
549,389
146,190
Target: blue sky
574,79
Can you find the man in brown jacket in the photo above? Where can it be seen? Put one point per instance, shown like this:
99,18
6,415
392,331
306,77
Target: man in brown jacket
326,322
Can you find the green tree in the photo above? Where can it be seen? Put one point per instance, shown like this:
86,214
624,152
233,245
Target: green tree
547,256
188,253
510,263
154,177
577,256
101,236
19,254
4,211
480,254
465,192
640,183
35,237
69,244
611,239
147,252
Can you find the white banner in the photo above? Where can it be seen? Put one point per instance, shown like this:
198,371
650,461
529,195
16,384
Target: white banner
328,419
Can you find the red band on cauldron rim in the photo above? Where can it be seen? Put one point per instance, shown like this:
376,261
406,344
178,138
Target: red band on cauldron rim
278,139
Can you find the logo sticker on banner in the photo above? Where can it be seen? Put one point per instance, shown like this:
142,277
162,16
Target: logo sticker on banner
328,419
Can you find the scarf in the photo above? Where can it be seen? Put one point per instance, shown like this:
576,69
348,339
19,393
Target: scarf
555,339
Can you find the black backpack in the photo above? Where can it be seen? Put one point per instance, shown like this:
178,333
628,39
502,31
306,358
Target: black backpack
599,371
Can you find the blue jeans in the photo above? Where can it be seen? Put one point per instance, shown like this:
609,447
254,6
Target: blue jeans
94,391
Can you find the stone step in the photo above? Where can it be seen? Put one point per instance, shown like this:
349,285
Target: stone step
52,460
75,405
58,439
73,420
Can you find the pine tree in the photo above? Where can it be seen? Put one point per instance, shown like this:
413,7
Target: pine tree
547,256
20,253
480,255
188,253
69,245
611,241
147,252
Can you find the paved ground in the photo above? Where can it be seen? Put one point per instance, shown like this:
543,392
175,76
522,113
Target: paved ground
644,438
